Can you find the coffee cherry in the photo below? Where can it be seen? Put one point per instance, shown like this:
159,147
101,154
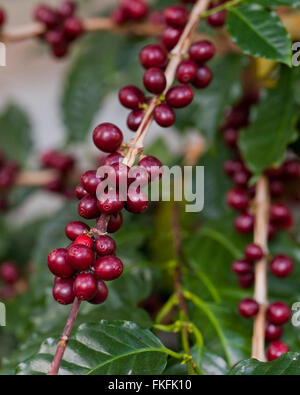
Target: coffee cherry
135,119
108,268
59,50
186,71
276,349
47,16
232,166
153,56
171,37
278,313
276,188
152,165
8,173
2,16
180,96
75,229
58,263
110,202
84,240
57,160
238,199
90,181
137,202
231,136
279,213
67,9
203,78
155,80
85,286
87,207
119,16
101,294
63,291
131,97
80,257
253,252
80,192
241,266
275,172
218,19
176,16
246,280
291,169
202,51
107,137
9,272
244,223
281,266
273,332
120,172
55,37
3,205
105,245
242,177
164,115
73,28
113,158
115,223
135,9
248,308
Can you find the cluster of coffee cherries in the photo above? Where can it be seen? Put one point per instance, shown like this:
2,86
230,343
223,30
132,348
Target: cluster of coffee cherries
130,10
8,172
9,275
239,198
154,59
2,17
63,164
62,26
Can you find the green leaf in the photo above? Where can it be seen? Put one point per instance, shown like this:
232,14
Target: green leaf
279,3
15,134
288,364
208,108
260,33
264,143
105,348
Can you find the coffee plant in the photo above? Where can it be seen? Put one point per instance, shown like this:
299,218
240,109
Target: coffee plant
116,284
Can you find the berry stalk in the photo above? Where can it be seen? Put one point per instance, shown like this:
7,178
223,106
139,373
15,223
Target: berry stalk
262,209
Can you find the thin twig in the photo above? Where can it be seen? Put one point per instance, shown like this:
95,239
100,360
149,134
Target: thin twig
262,208
35,178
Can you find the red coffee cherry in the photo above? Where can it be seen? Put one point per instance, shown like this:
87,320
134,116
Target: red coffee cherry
67,9
155,80
108,268
57,160
58,263
2,17
75,229
232,166
120,172
88,207
238,199
276,349
273,332
47,16
84,240
281,216
230,136
119,16
115,222
244,223
59,50
90,181
55,37
113,158
218,19
107,137
187,71
9,272
135,119
248,308
80,257
164,115
153,56
105,245
3,205
241,266
180,96
281,266
246,280
202,51
137,202
242,177
152,165
80,192
135,9
278,313
276,188
291,169
203,78
101,294
85,286
131,97
176,16
253,252
73,28
274,172
110,202
171,37
63,291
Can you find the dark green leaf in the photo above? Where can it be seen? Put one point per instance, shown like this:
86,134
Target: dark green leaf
103,348
278,3
15,134
260,33
264,143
